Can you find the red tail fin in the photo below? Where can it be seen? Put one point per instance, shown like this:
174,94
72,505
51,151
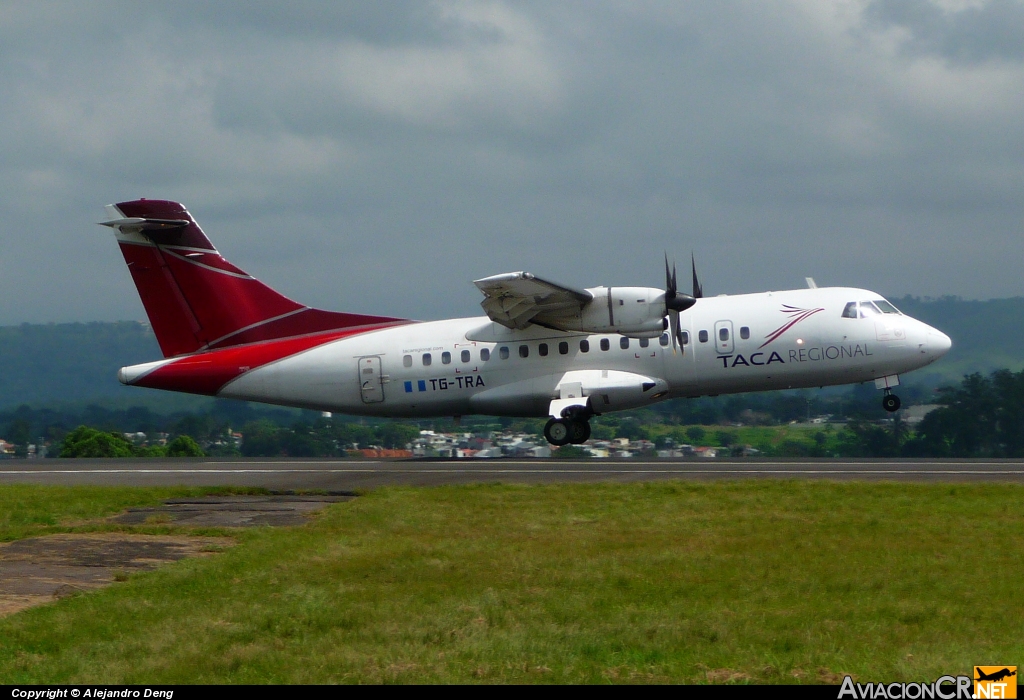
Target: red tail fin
197,300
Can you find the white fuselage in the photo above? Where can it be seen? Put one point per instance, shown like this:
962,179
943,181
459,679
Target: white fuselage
750,342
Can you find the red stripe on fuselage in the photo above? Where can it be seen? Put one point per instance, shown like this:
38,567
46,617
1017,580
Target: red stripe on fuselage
207,373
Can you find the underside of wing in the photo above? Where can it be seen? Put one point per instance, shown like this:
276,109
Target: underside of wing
518,299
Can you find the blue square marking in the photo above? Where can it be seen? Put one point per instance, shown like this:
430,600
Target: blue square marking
408,387
422,383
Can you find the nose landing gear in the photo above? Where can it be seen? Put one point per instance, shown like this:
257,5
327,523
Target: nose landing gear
563,431
890,402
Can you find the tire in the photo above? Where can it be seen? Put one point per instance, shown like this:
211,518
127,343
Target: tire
891,403
580,431
558,432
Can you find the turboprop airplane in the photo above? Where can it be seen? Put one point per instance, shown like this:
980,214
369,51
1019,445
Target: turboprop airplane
543,349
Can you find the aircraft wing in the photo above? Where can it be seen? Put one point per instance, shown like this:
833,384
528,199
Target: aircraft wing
517,299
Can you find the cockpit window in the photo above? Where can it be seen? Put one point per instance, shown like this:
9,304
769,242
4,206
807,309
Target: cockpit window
886,307
867,309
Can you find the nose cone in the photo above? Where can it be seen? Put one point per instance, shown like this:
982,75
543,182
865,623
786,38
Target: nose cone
938,343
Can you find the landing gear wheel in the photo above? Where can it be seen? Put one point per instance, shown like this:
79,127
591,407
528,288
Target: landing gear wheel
891,403
558,432
579,430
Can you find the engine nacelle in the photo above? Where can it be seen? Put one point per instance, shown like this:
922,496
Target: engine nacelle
638,312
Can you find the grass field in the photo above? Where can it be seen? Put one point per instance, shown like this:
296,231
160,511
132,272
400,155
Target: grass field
777,581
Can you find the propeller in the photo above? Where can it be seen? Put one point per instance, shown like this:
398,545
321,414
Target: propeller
675,301
698,291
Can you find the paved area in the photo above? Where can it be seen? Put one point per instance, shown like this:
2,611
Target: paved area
231,511
36,570
346,476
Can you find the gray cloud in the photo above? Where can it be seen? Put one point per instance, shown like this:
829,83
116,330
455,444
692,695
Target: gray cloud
992,31
379,156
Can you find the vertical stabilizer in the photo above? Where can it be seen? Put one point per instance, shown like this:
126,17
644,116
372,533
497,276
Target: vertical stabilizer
195,299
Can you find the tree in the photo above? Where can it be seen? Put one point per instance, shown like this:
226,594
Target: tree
184,446
695,433
89,442
570,452
261,439
863,439
397,435
19,432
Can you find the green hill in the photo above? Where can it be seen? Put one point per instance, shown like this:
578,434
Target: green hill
71,362
987,335
78,362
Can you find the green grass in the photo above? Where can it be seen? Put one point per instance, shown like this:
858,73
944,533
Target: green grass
777,581
28,511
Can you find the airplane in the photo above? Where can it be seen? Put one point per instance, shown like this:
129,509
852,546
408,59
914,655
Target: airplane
542,350
995,675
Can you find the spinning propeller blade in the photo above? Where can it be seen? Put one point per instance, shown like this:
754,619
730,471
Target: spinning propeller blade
698,291
676,302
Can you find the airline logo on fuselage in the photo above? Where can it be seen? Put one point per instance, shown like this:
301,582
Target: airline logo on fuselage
795,316
815,354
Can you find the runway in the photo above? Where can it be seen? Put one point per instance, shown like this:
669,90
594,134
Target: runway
342,476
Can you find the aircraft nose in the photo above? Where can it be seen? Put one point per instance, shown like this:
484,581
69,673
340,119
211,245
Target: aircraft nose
938,342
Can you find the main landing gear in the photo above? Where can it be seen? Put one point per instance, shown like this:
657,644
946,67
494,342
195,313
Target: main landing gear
563,431
890,402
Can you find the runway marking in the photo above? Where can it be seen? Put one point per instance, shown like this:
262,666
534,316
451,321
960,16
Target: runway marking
28,472
638,462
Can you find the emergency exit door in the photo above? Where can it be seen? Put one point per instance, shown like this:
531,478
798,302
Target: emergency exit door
371,382
723,337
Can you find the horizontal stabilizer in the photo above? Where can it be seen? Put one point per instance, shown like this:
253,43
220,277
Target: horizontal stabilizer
140,224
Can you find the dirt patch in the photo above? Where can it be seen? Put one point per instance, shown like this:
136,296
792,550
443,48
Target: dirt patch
40,569
232,511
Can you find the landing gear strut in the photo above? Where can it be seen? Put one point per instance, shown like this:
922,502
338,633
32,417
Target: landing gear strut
563,431
890,402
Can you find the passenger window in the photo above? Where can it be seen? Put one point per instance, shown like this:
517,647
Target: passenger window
503,352
702,336
485,354
465,355
663,340
446,358
407,361
542,349
723,333
426,359
584,346
563,348
744,333
644,342
524,351
850,311
624,343
605,345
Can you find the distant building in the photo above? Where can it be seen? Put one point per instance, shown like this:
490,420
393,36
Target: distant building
915,414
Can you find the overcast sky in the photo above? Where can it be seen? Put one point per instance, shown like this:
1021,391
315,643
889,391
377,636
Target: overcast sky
379,156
